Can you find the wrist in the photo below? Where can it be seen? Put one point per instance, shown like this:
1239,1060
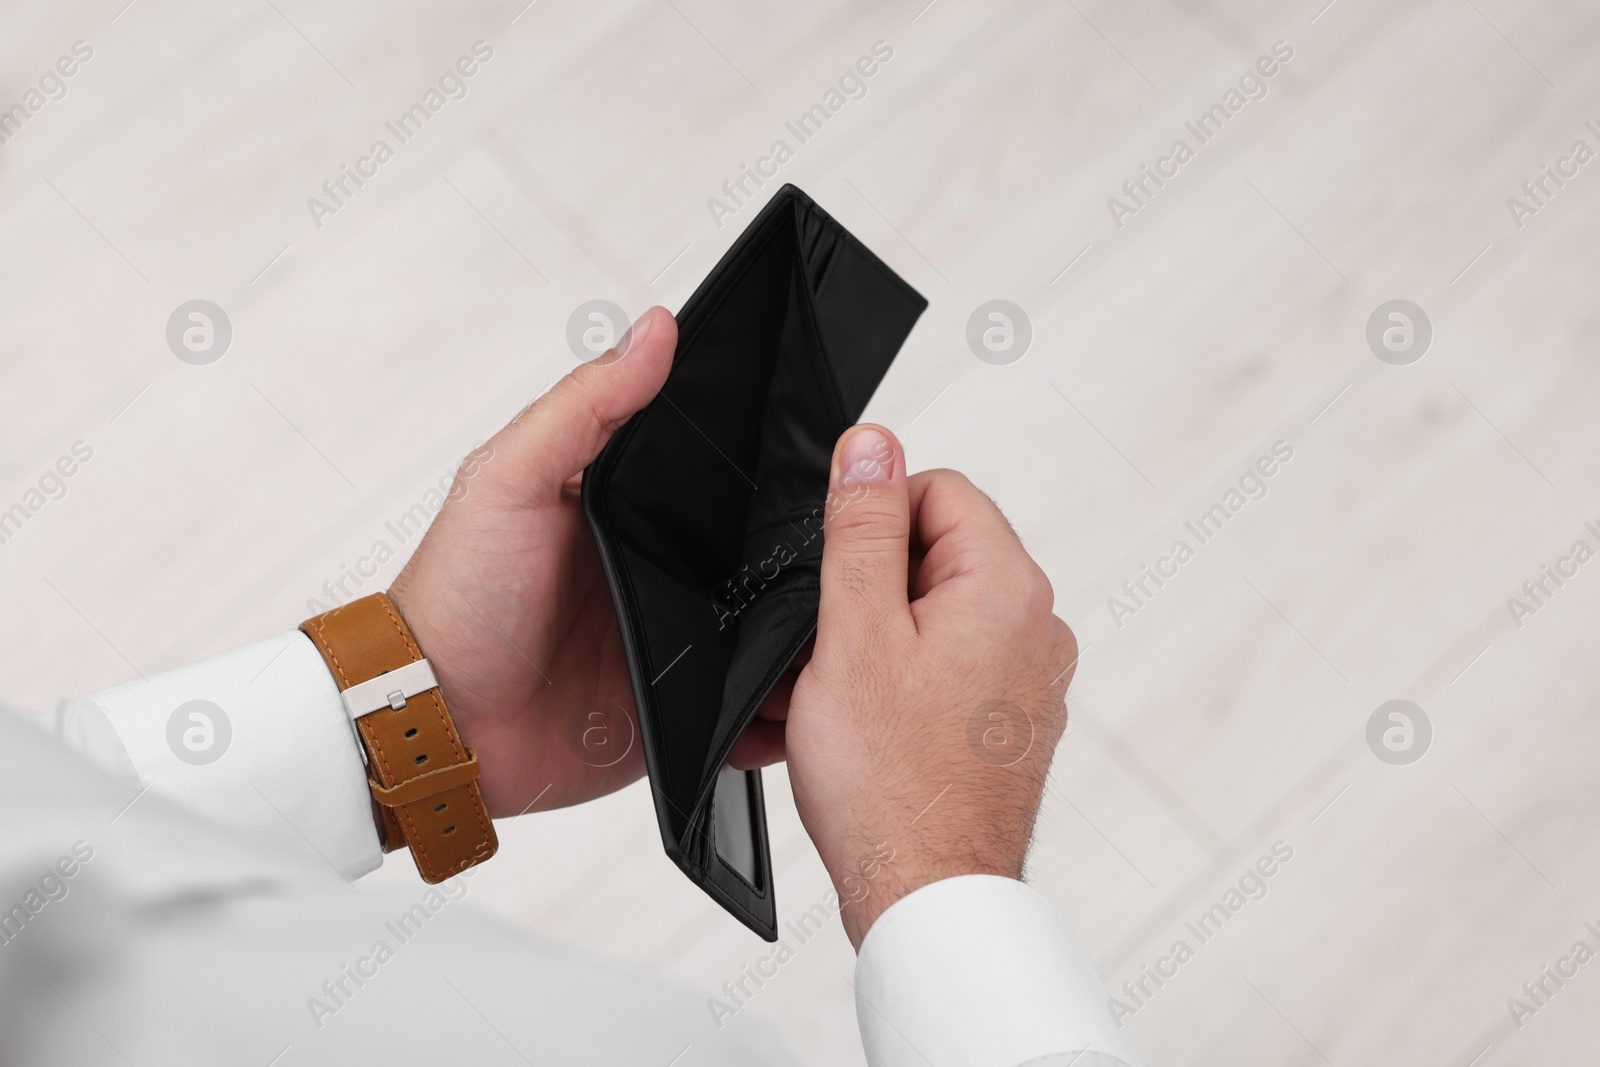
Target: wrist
434,643
422,776
877,877
439,636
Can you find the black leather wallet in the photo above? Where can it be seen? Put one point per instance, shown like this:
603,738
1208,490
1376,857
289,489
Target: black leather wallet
707,509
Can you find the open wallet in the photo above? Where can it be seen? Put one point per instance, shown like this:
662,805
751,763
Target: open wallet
707,509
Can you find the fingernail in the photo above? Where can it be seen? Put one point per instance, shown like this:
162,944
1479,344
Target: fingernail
867,458
635,334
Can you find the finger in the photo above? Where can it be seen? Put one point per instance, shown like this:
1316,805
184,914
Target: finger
761,746
775,708
867,531
762,742
958,531
563,431
803,657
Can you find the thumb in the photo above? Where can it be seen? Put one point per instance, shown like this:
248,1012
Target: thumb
564,430
867,530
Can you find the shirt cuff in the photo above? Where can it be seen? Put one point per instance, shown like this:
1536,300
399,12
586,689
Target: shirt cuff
256,738
982,971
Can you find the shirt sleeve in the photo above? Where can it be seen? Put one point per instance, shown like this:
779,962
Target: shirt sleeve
982,971
256,738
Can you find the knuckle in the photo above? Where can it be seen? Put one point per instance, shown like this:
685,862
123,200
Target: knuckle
1026,592
946,478
961,492
1039,593
1064,644
866,519
1063,636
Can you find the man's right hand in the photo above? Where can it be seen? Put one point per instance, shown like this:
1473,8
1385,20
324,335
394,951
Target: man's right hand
920,733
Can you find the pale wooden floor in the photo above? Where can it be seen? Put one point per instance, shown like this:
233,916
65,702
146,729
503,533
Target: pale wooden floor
1226,715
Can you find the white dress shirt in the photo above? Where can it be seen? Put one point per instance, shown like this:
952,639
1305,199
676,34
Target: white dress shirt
976,971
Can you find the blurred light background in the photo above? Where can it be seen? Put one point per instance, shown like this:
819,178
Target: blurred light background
1176,339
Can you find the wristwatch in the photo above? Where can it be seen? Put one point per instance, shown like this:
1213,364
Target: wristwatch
424,780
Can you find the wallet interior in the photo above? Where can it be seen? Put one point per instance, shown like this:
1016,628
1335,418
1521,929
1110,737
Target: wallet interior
707,508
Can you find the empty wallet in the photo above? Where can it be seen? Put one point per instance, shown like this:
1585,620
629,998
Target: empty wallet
707,509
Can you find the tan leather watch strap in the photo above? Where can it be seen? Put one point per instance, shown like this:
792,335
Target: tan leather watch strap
422,777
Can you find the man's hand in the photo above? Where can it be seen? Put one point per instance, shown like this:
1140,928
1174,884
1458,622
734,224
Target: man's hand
507,598
920,732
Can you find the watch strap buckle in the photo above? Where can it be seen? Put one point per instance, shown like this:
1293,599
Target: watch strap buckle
389,690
